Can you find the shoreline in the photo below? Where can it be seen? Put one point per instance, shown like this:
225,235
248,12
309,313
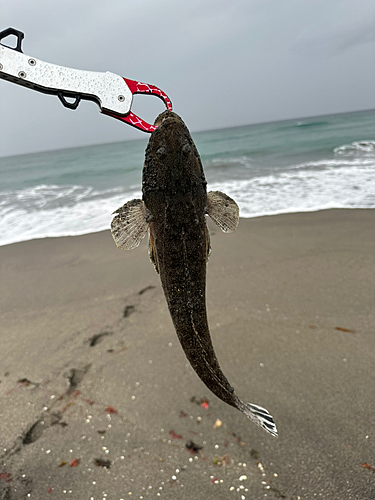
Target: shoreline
88,348
241,218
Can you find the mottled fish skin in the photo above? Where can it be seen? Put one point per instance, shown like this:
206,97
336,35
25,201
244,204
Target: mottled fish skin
176,203
175,194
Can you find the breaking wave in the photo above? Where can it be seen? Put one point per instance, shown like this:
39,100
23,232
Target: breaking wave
50,211
303,190
360,148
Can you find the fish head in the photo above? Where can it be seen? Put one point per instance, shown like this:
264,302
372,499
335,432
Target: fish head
165,115
173,172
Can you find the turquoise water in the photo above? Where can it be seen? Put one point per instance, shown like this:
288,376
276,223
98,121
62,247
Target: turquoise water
295,165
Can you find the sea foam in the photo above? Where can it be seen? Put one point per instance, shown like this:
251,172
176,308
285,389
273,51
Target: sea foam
361,148
50,211
304,190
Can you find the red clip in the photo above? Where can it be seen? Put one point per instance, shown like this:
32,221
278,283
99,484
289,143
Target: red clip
142,88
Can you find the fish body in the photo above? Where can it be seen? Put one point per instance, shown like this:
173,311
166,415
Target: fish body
173,210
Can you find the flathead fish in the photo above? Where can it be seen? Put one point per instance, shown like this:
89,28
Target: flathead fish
173,211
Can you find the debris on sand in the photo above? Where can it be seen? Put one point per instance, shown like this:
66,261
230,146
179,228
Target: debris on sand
193,447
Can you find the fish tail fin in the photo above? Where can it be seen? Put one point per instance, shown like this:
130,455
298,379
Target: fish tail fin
260,416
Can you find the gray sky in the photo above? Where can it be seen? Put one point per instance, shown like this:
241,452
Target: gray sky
223,63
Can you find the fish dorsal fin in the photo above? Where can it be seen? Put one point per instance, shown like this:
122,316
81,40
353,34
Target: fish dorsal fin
130,225
223,211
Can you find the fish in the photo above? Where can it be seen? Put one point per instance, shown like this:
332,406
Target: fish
173,212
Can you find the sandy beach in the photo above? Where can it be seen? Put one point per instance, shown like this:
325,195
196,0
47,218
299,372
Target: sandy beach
97,400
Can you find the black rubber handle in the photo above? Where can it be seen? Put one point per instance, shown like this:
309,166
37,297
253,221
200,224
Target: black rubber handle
67,104
12,31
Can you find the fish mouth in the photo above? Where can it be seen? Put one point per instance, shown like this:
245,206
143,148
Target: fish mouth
166,115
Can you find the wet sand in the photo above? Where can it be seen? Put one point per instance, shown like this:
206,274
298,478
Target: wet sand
98,401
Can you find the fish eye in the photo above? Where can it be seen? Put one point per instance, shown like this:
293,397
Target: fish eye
161,151
186,148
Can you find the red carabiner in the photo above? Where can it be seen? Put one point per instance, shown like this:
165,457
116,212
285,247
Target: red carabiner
142,88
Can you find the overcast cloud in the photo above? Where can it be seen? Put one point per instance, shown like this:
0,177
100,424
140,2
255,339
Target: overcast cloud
223,63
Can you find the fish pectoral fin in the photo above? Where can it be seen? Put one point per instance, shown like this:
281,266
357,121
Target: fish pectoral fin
208,243
223,211
130,225
152,251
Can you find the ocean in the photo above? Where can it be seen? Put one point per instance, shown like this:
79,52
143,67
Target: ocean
298,165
